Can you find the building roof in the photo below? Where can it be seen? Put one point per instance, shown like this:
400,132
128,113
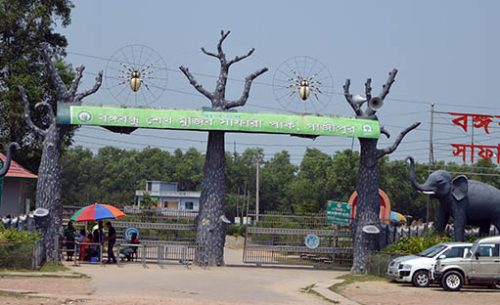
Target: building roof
17,171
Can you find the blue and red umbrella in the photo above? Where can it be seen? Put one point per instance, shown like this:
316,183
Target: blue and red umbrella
397,217
97,211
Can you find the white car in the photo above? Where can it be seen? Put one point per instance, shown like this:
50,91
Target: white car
416,269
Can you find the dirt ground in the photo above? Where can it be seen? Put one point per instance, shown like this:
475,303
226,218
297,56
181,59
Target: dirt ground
390,293
132,284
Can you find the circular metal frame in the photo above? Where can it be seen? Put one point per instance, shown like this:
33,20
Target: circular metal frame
303,84
136,75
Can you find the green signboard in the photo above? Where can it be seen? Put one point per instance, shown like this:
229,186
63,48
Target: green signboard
301,125
338,213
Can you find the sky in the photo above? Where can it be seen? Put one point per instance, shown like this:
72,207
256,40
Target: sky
446,53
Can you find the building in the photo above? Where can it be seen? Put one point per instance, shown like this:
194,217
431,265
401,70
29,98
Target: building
168,197
13,199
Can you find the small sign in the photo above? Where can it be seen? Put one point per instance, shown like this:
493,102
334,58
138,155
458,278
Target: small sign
338,212
371,229
311,241
130,231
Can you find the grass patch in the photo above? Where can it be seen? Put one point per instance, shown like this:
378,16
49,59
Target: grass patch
73,275
351,278
53,267
48,267
19,295
309,289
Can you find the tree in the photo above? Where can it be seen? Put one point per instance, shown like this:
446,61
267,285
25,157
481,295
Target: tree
368,205
210,235
24,24
309,189
341,176
394,181
277,174
78,176
188,169
48,193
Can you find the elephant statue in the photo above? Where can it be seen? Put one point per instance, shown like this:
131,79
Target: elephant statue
469,202
12,146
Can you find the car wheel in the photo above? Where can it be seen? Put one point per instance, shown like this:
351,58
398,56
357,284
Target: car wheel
421,278
452,281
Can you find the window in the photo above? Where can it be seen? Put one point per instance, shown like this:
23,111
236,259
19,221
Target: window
486,250
189,205
455,252
149,186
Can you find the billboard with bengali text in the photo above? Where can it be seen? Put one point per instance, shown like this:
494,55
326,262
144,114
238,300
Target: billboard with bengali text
294,124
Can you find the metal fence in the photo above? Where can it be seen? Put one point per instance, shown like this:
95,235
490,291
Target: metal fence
159,243
39,256
282,240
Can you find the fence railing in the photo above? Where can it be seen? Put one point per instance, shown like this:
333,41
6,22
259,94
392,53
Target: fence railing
39,256
145,252
286,246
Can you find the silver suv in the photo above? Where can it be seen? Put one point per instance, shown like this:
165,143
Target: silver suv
480,267
416,268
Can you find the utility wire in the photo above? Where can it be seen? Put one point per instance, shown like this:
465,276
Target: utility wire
411,101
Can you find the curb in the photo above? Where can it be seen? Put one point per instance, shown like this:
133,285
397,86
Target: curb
323,290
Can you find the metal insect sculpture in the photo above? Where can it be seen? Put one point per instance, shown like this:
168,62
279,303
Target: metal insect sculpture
303,85
137,75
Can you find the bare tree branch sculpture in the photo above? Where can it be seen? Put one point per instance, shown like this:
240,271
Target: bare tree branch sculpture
368,204
210,236
48,194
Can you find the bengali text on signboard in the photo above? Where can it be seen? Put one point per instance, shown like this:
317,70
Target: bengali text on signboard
311,125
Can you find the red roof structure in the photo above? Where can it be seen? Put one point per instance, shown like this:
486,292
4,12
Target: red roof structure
16,170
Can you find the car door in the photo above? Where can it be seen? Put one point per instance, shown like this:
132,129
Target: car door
486,262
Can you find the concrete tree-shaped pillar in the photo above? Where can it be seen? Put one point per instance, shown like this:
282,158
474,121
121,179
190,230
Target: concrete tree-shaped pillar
210,235
368,205
48,192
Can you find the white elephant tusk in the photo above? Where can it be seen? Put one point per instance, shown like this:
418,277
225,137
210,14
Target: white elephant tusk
429,192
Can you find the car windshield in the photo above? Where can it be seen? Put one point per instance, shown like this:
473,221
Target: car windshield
432,251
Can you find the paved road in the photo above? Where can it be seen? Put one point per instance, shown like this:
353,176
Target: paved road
232,284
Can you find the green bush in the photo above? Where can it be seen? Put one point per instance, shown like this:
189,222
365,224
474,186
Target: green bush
414,244
236,230
16,248
14,236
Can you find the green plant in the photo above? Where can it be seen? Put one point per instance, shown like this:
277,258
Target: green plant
414,244
236,230
16,248
53,267
14,236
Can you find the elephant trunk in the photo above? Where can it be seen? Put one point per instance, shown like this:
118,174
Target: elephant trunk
420,187
12,146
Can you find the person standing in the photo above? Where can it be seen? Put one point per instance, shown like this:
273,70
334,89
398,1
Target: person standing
69,236
111,243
